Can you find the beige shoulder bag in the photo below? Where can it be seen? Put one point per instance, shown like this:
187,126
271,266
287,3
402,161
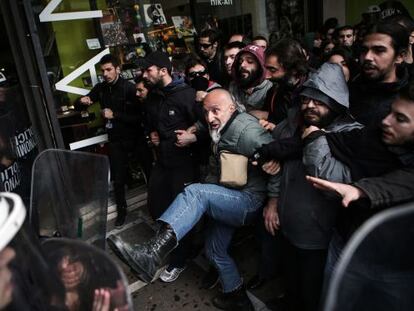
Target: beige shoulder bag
233,171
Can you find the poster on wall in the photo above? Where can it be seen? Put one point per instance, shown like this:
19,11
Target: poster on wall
112,30
131,22
184,26
154,15
139,38
285,19
167,40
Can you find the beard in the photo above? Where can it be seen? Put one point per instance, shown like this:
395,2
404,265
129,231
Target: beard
313,117
374,75
285,81
157,84
250,79
215,134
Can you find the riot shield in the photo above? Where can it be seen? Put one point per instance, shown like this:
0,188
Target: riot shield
69,195
376,269
60,274
84,271
26,281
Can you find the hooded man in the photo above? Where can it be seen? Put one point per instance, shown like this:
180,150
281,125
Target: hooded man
367,153
304,216
249,86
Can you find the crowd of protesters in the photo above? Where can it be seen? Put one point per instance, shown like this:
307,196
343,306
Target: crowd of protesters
333,111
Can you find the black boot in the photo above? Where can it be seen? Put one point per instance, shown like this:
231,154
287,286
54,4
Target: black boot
235,300
121,216
146,258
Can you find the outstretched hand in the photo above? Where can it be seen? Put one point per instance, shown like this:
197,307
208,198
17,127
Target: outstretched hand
348,193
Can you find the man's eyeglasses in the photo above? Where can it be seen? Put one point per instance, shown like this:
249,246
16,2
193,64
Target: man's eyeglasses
306,100
196,74
205,45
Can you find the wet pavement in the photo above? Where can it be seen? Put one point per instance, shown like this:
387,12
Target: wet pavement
186,292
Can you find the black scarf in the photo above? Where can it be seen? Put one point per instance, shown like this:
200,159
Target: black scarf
363,151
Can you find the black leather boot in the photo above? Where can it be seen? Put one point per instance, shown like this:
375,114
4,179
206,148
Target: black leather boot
146,258
120,216
236,300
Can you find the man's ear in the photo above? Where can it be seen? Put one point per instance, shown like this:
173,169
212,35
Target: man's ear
215,44
163,70
400,57
118,70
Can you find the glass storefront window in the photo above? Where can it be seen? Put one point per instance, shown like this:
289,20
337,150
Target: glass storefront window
71,46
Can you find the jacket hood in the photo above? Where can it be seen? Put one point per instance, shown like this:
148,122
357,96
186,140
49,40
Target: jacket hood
258,53
177,83
328,85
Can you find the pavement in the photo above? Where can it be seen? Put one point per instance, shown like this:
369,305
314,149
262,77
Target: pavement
185,293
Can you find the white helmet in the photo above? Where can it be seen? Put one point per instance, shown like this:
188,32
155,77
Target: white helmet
12,215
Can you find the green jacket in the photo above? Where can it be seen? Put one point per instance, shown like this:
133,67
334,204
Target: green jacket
243,135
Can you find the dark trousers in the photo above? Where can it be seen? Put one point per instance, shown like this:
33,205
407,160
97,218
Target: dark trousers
270,256
118,157
145,157
119,154
303,276
164,185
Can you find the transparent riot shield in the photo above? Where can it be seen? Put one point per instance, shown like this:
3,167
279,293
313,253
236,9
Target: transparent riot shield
26,282
376,270
70,195
87,272
59,274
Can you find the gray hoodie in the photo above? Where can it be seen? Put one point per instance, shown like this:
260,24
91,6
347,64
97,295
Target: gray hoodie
307,217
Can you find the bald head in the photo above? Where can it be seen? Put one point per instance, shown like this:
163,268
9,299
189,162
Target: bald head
218,107
219,95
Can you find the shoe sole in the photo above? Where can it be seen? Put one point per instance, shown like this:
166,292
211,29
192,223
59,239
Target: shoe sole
170,280
117,247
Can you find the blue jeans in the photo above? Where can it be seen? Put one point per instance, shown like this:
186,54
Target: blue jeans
228,209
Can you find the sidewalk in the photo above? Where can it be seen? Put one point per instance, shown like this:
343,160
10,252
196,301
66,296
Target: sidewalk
185,293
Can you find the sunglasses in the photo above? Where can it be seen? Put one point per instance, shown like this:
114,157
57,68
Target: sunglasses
196,74
306,100
205,45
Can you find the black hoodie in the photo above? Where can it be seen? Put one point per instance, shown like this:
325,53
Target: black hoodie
172,108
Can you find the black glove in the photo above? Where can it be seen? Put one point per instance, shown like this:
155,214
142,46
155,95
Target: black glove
282,149
261,155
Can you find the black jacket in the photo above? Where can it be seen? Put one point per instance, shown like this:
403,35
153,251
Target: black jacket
169,109
216,69
371,101
280,98
367,156
390,189
120,97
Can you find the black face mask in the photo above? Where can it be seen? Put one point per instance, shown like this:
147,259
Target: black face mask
284,81
199,83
